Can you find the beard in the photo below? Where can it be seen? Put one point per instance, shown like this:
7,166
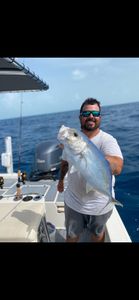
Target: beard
88,127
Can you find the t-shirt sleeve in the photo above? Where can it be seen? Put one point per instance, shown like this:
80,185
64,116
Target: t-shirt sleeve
110,146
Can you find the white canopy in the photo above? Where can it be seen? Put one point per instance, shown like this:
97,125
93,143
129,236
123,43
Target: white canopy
15,77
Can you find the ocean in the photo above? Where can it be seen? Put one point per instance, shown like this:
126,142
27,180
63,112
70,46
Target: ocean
122,121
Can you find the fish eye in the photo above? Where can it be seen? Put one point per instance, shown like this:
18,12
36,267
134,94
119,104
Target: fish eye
75,134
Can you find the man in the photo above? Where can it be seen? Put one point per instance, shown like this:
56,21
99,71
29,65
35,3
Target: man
89,211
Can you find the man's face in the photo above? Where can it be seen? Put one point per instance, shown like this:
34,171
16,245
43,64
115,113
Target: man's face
90,122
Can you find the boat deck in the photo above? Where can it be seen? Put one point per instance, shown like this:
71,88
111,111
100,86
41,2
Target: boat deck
38,197
20,217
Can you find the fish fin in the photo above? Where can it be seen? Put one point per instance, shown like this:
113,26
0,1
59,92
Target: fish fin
89,188
116,202
83,158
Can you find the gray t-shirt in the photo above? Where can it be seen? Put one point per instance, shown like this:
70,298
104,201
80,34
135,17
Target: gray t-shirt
75,196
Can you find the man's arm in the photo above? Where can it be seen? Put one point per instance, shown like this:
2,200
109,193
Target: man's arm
116,164
63,172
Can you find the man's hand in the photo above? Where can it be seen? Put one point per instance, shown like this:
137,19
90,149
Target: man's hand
63,172
60,186
116,164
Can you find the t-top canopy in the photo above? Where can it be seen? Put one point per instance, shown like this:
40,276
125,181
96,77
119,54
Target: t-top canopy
15,77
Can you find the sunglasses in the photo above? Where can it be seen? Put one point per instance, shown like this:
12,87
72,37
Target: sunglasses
87,113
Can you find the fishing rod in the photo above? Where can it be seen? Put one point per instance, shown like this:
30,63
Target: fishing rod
20,137
21,176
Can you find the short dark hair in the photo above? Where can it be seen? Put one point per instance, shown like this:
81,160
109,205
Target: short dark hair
90,101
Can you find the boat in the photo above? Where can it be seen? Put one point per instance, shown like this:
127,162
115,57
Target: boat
31,209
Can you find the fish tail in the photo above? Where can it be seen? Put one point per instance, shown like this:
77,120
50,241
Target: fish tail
116,202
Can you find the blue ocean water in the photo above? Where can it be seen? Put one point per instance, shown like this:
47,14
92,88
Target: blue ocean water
122,121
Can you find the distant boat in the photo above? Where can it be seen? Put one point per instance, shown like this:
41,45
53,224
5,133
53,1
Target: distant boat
32,210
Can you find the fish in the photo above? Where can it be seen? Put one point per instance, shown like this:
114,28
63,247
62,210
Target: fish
88,160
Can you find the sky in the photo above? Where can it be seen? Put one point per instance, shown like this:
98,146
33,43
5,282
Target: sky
71,81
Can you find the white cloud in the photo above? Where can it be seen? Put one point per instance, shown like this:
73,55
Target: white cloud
77,96
78,74
93,62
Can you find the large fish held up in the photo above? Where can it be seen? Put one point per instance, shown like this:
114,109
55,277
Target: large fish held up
88,160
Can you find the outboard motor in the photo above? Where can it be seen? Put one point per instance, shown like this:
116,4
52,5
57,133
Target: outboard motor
47,161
